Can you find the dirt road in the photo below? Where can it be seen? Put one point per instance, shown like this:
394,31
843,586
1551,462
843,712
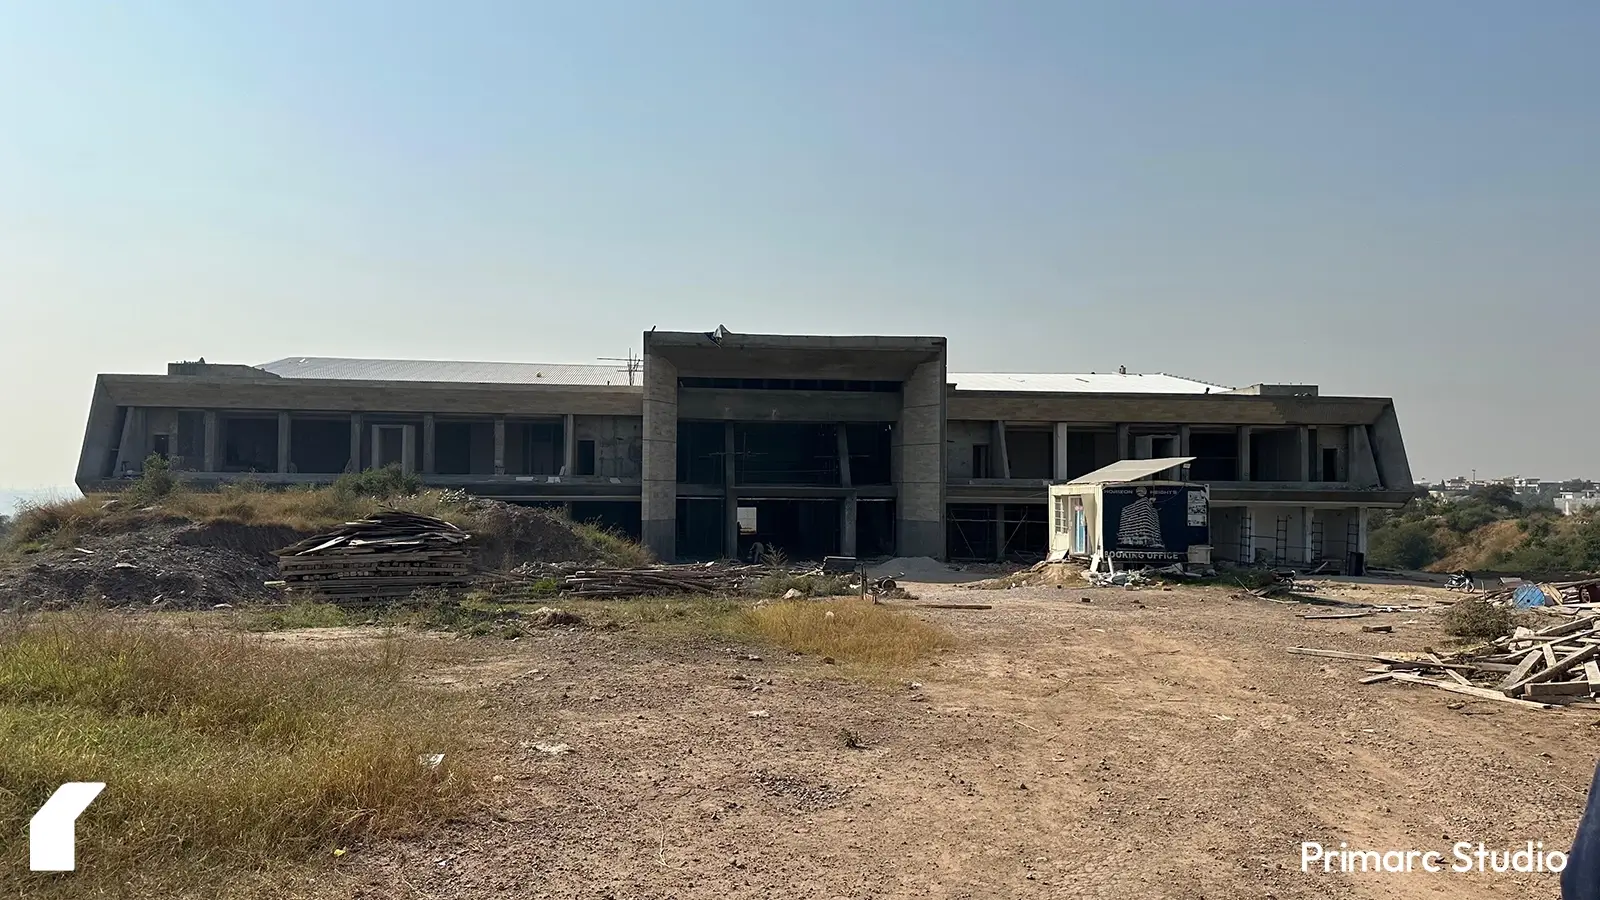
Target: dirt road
1144,744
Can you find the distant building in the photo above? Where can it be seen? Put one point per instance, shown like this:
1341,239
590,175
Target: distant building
1570,502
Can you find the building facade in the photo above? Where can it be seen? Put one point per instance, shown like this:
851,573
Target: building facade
715,442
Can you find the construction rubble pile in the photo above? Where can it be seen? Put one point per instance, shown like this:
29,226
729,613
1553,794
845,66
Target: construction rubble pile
1557,665
390,554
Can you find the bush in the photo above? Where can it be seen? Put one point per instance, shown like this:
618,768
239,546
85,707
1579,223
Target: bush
1478,619
779,583
155,483
1402,545
380,484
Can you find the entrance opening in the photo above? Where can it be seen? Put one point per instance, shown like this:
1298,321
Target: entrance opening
874,528
1088,450
319,446
1274,454
249,444
192,441
802,529
700,528
534,448
1330,464
161,445
980,461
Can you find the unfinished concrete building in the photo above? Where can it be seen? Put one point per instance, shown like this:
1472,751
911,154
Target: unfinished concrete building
716,442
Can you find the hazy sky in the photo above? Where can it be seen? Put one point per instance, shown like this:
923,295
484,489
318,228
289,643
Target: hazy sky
1377,197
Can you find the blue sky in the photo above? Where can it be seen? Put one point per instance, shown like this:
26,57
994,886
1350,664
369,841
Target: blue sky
1398,199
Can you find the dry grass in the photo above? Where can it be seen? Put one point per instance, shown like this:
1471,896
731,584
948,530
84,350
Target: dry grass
222,754
1476,619
849,631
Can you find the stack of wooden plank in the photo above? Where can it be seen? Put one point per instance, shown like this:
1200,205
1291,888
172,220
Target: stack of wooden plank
1583,594
1557,665
390,554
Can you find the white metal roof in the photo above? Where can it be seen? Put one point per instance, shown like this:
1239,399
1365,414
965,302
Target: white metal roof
1093,383
1131,470
445,370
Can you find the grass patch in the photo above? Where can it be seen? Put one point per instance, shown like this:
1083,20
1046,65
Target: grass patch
849,631
299,614
1476,619
222,753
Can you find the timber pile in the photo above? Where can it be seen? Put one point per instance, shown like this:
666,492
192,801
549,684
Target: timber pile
704,578
1569,594
391,554
1558,665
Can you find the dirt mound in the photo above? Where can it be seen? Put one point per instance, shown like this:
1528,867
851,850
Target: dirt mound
255,540
920,569
507,535
1044,574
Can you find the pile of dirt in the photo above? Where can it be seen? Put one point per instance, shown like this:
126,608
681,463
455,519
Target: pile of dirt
919,569
1044,574
507,535
167,565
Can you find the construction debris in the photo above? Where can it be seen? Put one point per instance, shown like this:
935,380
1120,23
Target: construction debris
1574,595
692,578
390,554
1557,665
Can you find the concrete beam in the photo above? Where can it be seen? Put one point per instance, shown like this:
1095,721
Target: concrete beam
787,406
283,442
209,450
429,445
499,445
659,498
1164,409
326,395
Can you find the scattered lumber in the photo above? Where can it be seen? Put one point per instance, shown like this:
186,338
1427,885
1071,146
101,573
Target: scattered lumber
387,555
602,581
1538,669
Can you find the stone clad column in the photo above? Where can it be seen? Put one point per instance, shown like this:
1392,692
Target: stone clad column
209,450
658,509
283,443
919,504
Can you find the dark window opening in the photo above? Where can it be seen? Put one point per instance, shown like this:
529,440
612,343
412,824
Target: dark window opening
1031,454
585,458
700,452
161,445
700,529
871,452
250,444
980,461
1088,451
791,384
1275,454
191,441
319,446
970,531
1330,464
463,448
1025,531
785,453
534,448
1216,456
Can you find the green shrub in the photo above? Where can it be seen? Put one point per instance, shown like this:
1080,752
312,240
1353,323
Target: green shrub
1402,545
155,483
380,484
1477,619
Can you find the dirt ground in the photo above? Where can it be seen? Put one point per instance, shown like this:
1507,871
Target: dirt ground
1151,743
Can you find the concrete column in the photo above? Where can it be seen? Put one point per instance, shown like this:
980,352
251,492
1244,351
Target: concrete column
499,445
1361,529
1059,473
125,456
1000,459
1183,450
844,456
1306,515
999,532
355,444
569,435
1244,452
430,463
408,449
1124,448
209,446
283,443
1302,438
919,506
730,496
847,525
659,490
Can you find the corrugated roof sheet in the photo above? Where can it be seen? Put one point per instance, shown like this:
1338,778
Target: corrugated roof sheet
1094,383
1131,470
448,371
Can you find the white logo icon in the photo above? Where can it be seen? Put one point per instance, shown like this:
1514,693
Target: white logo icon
53,832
